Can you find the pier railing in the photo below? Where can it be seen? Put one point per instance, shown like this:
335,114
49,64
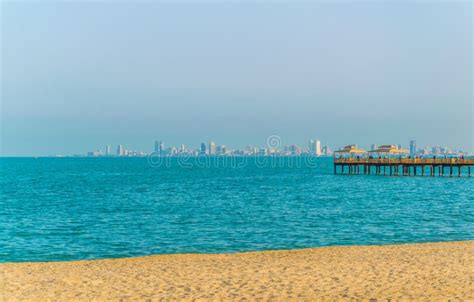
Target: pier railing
405,161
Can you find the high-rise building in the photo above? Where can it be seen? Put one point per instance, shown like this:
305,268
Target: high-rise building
373,147
311,146
161,148
212,148
157,147
413,147
171,151
220,149
107,150
327,150
315,147
203,148
295,150
120,150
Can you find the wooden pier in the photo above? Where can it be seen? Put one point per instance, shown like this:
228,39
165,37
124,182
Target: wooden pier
404,166
391,160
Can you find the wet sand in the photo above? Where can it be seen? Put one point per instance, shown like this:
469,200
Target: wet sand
434,271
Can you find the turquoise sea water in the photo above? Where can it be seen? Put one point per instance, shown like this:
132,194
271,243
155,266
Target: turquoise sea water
88,208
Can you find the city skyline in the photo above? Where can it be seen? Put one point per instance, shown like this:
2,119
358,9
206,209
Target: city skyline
78,74
215,147
274,146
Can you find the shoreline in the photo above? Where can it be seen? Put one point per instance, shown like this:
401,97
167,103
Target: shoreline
240,252
440,270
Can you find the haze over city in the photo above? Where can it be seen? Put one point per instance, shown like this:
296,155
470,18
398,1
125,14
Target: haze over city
77,76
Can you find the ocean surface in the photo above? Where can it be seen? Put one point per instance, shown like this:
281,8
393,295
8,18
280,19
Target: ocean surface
89,208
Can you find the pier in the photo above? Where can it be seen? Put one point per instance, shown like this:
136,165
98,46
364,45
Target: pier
389,160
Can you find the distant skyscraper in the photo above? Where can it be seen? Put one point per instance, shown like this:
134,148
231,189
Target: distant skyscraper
212,148
171,151
203,148
107,150
326,150
293,149
120,150
373,147
159,148
413,147
315,147
219,149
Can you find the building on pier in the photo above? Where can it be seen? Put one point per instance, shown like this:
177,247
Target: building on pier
349,151
388,151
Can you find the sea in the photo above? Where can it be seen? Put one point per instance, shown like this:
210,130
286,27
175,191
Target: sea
55,209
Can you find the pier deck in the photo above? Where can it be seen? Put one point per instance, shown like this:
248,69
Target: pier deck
403,166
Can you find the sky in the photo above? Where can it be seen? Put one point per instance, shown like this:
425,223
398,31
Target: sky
78,75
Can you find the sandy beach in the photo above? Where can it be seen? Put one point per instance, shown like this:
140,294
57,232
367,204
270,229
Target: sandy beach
434,271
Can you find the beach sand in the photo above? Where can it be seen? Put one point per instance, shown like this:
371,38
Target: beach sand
434,271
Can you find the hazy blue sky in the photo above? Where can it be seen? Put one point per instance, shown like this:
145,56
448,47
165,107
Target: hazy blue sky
79,75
